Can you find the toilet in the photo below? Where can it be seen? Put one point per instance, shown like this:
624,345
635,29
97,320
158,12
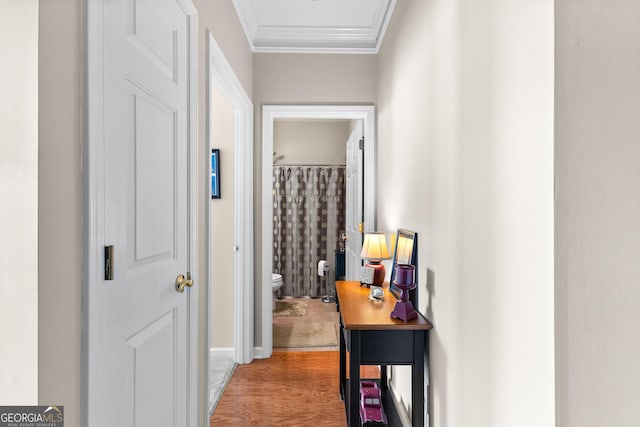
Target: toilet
276,282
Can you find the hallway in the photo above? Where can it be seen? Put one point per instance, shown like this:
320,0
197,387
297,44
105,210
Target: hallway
289,389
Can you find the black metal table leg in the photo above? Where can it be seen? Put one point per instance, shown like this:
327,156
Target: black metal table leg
417,386
343,362
354,380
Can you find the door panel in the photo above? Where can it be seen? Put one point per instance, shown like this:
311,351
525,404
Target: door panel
355,191
152,349
155,144
153,35
139,348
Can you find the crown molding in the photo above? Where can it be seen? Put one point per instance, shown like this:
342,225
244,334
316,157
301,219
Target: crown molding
315,39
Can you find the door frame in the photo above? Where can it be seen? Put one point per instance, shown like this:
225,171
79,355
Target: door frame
270,113
93,194
221,76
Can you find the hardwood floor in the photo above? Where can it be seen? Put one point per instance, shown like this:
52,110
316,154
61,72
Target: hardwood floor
289,389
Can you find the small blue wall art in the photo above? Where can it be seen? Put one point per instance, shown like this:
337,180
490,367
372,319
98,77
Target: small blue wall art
215,173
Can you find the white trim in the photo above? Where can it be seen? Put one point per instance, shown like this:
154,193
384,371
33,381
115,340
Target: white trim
270,113
192,218
247,20
257,353
93,177
405,419
221,353
386,17
287,39
221,76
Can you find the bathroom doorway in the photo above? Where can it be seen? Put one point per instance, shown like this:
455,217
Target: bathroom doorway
309,189
308,203
276,114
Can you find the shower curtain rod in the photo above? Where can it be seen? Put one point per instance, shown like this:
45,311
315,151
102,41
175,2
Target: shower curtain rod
310,166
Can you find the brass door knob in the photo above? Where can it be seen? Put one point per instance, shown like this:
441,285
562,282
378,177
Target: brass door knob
182,282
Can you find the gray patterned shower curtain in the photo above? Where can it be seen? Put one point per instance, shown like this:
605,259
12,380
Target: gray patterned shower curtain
308,216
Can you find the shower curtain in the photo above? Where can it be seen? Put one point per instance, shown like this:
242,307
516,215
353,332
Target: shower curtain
308,216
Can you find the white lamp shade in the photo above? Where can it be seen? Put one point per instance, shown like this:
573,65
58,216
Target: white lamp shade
374,246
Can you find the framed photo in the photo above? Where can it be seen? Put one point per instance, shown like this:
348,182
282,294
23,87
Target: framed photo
215,173
405,252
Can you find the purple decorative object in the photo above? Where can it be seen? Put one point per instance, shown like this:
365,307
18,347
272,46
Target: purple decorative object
371,410
403,309
405,274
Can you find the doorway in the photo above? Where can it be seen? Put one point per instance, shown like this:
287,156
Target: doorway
270,114
223,83
308,202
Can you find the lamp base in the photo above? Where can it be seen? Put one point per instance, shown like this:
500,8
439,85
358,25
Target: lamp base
404,311
378,272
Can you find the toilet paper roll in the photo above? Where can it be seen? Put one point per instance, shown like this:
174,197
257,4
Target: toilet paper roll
323,266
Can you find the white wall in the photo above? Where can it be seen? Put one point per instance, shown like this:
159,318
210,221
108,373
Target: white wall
465,135
310,142
597,213
19,195
222,220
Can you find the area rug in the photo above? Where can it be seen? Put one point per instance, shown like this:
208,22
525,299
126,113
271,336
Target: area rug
305,334
220,372
291,309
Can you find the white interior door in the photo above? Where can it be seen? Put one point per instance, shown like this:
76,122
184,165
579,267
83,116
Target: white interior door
355,200
139,357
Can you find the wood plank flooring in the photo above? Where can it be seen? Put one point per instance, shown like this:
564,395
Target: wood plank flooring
289,389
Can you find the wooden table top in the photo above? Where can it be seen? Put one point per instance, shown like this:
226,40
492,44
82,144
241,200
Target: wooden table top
359,312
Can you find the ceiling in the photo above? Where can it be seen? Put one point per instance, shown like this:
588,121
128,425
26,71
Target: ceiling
315,26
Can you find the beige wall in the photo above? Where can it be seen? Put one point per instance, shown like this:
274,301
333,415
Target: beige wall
19,195
310,142
222,231
465,109
60,205
597,213
301,79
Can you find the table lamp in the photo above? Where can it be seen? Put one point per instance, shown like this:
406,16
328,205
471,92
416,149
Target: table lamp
375,250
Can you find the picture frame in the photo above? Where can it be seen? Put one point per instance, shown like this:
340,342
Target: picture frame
405,252
215,173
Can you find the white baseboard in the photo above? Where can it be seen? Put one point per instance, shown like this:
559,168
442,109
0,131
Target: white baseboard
221,353
257,353
400,409
229,353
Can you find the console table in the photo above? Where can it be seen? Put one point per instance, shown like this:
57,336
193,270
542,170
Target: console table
372,337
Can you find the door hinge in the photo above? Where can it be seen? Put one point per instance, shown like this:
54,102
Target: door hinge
109,262
361,143
361,227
